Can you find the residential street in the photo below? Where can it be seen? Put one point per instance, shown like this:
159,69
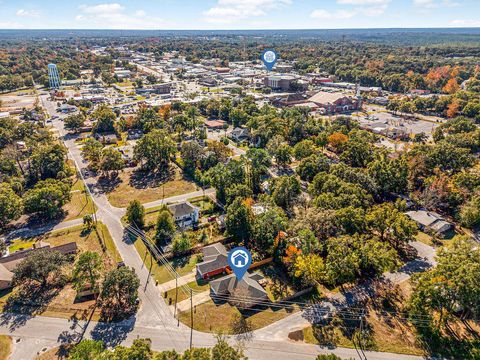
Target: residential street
154,319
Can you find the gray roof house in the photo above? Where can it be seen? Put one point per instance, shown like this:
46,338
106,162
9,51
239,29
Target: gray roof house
249,286
214,261
428,220
240,134
185,213
10,262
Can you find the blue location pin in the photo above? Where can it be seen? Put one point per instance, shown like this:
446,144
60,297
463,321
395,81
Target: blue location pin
239,260
269,58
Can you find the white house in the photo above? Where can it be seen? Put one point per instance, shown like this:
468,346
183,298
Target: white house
185,214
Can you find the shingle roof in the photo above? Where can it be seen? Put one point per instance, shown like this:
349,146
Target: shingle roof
181,209
228,284
5,274
323,97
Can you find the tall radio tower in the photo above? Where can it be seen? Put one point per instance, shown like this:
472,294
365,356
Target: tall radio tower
53,77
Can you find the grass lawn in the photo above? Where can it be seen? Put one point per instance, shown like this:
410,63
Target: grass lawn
182,295
275,282
211,317
182,266
386,336
20,244
424,238
80,205
62,302
124,84
5,347
142,187
386,332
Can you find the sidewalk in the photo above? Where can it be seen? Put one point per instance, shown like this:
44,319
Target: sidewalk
184,280
198,299
27,232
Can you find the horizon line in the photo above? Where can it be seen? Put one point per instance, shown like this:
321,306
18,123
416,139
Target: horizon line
252,29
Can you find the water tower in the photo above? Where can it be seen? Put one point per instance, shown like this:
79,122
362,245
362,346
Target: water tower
53,77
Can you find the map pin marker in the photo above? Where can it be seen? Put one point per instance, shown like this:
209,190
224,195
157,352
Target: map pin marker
239,260
269,58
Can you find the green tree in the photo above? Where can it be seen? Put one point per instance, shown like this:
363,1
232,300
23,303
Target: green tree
47,198
309,268
451,289
238,221
285,191
311,166
87,271
87,350
74,122
391,225
136,213
111,160
342,263
105,120
304,149
119,293
155,150
39,266
223,351
11,205
283,155
258,161
194,354
47,162
191,154
92,152
470,212
235,191
181,243
165,228
140,350
266,227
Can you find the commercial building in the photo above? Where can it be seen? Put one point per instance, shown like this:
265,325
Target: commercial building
277,82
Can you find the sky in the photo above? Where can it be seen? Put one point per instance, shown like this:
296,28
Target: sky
237,14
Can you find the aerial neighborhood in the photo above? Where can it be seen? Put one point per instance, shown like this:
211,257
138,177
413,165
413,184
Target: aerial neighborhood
132,164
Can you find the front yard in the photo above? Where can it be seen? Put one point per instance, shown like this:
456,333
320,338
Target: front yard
134,184
214,318
81,203
182,266
61,302
5,347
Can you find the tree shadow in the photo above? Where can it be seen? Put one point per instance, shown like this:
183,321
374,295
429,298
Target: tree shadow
113,333
29,301
142,179
106,185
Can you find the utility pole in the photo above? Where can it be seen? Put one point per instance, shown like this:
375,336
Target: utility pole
176,294
191,318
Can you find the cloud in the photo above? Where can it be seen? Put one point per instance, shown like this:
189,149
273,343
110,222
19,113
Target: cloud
116,16
27,13
339,14
432,4
465,23
363,2
229,11
370,8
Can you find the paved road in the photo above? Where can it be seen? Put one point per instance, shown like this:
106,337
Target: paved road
26,232
280,329
34,338
153,320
